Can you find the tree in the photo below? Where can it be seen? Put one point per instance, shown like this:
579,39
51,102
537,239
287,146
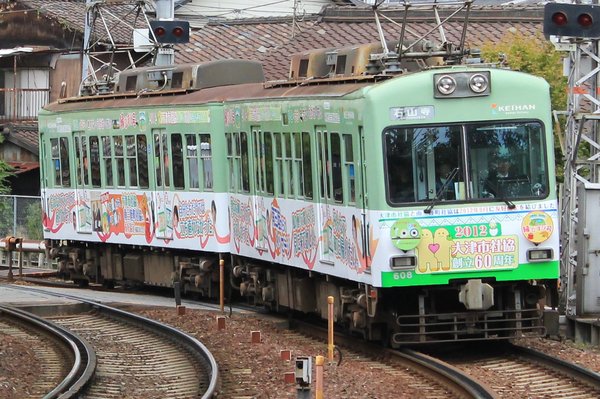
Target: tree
5,173
537,56
6,205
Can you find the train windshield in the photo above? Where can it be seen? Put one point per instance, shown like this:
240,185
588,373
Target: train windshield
478,161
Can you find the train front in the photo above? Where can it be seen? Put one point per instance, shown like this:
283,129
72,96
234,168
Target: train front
467,220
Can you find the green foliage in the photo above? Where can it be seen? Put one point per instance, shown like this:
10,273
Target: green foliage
5,173
33,221
537,56
6,216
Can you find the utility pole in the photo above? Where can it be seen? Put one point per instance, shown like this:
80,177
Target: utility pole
85,64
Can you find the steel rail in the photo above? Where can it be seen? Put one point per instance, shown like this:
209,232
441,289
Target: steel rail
461,383
196,348
575,371
85,361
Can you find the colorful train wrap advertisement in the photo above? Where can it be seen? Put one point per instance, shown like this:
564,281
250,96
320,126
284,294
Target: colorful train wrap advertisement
479,240
181,220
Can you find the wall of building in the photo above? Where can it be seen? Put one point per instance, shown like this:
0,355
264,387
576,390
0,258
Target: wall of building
249,8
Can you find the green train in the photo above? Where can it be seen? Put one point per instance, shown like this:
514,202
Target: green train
423,201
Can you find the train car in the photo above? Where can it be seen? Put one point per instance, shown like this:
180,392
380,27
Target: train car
423,201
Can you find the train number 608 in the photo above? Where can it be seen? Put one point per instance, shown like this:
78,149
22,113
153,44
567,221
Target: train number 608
403,275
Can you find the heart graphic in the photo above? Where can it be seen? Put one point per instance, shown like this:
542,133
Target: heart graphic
434,247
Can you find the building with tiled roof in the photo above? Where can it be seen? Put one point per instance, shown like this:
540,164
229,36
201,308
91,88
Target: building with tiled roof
273,40
19,149
200,12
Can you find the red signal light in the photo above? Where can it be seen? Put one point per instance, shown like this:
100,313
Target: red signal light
178,31
170,32
559,18
585,20
572,20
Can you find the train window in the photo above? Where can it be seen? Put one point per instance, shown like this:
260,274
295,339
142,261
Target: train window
324,170
288,174
269,175
120,160
503,161
206,156
349,167
507,160
423,163
131,158
279,164
259,159
191,156
95,161
55,154
307,166
86,163
298,163
78,161
81,159
336,167
166,161
157,157
238,158
244,162
64,161
107,156
264,161
231,160
142,156
177,157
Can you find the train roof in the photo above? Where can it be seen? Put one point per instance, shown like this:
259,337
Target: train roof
219,94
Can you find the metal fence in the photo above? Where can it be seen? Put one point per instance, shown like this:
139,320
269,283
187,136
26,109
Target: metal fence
21,216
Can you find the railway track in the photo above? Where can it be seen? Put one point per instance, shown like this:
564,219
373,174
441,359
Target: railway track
65,363
508,371
516,371
431,377
139,357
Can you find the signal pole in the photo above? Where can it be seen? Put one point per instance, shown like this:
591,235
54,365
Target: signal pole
165,11
575,31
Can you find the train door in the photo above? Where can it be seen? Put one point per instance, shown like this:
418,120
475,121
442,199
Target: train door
162,199
44,177
83,211
325,197
363,238
262,145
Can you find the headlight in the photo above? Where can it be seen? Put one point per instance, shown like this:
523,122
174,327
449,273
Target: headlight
446,85
539,255
403,262
451,85
478,83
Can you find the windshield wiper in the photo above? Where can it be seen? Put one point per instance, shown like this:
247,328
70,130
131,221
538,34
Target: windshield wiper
449,179
502,196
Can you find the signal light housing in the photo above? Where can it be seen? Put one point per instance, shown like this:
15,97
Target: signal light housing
174,32
574,20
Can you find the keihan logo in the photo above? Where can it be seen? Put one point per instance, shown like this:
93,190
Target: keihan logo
512,108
